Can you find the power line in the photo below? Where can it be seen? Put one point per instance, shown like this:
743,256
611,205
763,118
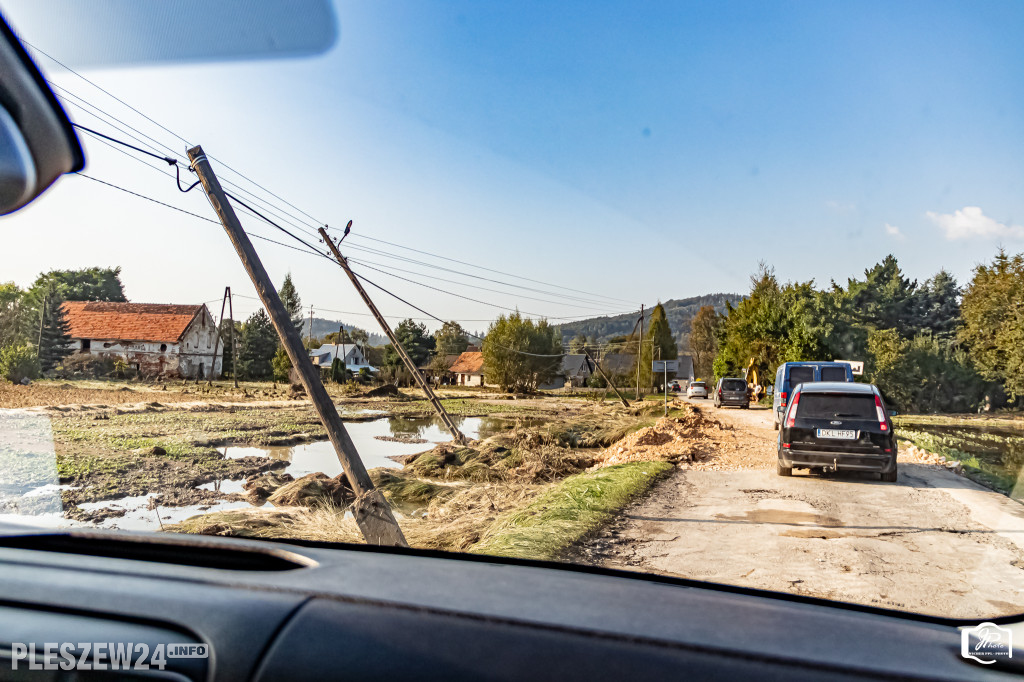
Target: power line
473,265
463,273
451,281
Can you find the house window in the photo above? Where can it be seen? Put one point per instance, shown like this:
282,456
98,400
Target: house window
163,347
86,344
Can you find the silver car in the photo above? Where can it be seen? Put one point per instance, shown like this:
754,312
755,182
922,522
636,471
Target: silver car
697,389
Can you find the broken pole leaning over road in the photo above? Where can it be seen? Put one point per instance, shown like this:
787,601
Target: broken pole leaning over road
607,380
409,364
371,511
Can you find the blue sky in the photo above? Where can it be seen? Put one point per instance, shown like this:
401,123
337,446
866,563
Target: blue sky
639,151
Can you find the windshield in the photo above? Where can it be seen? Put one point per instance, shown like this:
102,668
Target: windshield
455,210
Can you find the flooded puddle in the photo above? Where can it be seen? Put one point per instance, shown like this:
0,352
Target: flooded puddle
138,515
308,458
376,440
319,456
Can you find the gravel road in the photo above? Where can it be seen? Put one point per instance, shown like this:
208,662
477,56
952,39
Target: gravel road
934,542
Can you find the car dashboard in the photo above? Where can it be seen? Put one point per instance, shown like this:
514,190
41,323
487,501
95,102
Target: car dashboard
287,611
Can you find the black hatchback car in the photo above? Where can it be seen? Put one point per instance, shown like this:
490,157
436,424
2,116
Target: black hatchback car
837,425
732,391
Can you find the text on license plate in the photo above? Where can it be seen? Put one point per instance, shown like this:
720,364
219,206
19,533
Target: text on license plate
838,434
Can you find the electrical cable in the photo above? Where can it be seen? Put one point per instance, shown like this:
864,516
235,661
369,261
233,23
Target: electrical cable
473,265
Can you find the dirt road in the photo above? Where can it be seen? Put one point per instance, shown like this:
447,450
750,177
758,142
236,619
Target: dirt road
934,542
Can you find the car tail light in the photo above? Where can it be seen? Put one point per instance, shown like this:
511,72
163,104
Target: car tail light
881,414
785,445
783,396
791,418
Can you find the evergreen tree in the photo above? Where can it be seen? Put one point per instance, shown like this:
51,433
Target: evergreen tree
338,371
886,299
939,307
416,342
257,347
292,303
54,338
282,365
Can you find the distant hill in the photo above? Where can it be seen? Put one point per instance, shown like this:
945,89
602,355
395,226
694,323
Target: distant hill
679,312
323,327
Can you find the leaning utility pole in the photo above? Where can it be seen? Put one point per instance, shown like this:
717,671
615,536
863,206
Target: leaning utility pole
640,352
216,341
234,346
371,510
607,380
410,365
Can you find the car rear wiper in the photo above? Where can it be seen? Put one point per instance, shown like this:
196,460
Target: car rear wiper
846,414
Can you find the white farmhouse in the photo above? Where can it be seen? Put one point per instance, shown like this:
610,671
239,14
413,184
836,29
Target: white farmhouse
156,339
352,355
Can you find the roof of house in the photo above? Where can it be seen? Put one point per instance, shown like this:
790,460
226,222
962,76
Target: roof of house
468,363
161,322
449,360
575,364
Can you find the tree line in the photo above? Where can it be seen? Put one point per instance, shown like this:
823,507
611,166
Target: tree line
932,346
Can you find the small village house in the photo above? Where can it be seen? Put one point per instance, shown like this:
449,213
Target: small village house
575,370
351,354
468,369
155,339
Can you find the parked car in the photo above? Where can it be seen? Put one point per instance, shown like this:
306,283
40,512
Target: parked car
837,425
697,389
792,374
732,391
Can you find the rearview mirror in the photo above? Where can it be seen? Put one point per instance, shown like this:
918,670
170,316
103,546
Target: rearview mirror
37,142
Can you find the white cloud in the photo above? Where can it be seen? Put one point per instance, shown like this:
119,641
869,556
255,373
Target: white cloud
970,222
893,231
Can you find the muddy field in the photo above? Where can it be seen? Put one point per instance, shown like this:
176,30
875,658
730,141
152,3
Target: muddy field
150,456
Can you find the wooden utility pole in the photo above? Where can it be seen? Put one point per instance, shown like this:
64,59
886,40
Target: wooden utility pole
410,365
234,346
607,380
371,510
310,324
640,352
216,341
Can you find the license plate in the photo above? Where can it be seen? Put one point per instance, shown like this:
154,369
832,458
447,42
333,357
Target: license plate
837,434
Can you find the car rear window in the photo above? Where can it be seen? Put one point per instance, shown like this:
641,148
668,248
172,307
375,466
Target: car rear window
836,405
734,385
833,374
800,375
699,384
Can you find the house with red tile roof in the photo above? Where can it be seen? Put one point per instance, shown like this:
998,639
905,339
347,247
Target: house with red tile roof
469,369
156,339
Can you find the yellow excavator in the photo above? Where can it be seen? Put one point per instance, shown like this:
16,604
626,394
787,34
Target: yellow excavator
754,387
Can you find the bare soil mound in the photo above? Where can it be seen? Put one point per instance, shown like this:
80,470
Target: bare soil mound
672,439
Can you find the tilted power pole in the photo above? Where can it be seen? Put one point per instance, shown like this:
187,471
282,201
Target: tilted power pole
609,381
371,511
410,365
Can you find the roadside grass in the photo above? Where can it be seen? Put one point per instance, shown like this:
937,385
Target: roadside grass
983,471
570,510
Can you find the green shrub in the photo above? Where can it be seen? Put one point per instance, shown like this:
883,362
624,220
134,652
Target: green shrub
18,362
